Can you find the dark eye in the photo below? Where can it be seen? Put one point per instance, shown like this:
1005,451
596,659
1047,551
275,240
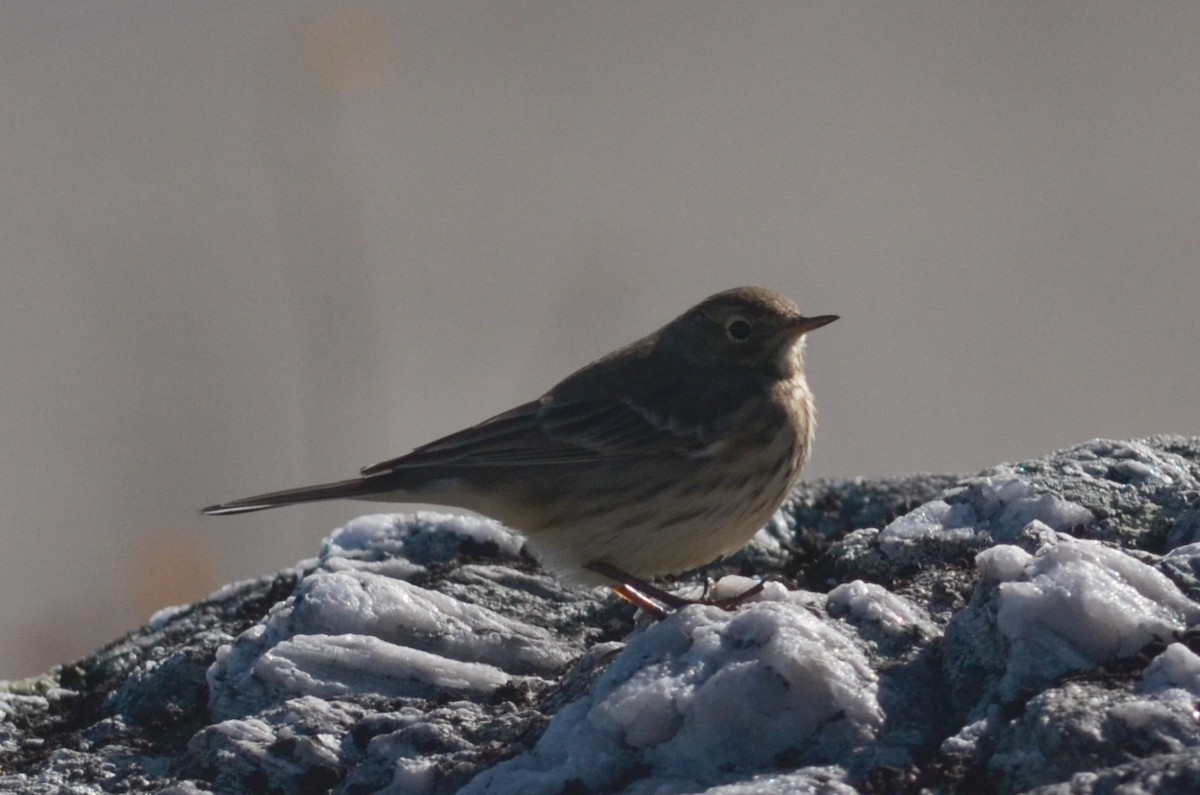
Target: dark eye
738,329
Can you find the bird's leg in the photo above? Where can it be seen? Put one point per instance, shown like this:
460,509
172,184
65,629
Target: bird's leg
640,601
643,588
638,592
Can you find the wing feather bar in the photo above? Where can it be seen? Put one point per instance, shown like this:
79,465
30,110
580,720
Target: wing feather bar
512,430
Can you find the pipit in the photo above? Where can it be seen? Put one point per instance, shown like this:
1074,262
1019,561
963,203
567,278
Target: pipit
655,459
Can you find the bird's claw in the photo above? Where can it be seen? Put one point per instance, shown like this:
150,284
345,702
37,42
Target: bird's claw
648,597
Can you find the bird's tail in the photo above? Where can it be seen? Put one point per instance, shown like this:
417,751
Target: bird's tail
341,490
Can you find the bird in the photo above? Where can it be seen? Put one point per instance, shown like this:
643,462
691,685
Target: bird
658,458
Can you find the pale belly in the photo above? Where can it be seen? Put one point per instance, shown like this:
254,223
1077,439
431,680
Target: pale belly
675,524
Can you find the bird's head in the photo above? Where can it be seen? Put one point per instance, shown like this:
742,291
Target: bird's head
747,328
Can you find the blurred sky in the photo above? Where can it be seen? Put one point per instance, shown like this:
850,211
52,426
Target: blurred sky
248,246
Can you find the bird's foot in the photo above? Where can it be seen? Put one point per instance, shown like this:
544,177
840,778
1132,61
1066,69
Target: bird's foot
650,598
738,599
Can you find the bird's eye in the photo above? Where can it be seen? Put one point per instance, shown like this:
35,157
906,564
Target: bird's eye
738,329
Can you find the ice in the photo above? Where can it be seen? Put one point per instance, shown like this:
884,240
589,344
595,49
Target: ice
809,781
411,541
424,654
354,625
1001,504
13,702
1015,504
365,603
335,665
869,602
1081,603
702,693
1176,667
412,775
1141,464
935,518
163,616
1165,706
1003,563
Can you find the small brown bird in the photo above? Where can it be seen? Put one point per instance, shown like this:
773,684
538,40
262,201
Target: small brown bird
660,457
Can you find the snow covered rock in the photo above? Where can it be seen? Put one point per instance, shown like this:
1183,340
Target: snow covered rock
1032,628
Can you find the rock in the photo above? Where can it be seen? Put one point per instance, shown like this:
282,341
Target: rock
1028,629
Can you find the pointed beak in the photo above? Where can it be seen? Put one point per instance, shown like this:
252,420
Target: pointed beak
803,325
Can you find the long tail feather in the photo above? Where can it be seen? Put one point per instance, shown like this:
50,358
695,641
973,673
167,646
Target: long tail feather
342,490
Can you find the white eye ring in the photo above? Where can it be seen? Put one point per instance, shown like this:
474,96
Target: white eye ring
738,329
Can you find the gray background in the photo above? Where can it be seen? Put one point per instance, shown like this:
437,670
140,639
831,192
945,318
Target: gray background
251,246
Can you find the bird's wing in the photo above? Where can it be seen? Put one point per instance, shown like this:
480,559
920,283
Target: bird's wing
557,431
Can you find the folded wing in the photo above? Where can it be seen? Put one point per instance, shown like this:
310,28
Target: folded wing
557,431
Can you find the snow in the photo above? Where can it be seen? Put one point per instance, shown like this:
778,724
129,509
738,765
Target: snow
336,665
404,646
869,602
1140,464
1011,504
705,697
935,518
1003,563
1080,603
1177,666
14,702
1003,504
358,631
703,693
354,625
372,543
347,602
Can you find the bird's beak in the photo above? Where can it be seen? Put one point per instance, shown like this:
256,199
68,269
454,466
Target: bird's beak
803,325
